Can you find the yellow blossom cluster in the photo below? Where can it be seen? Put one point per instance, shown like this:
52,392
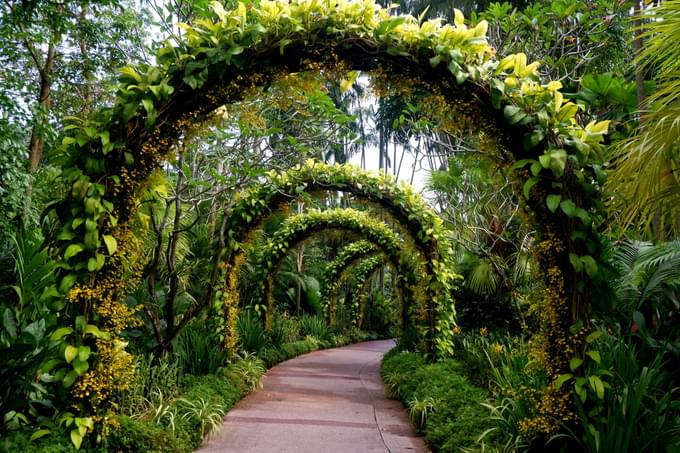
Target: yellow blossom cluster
552,346
230,300
114,372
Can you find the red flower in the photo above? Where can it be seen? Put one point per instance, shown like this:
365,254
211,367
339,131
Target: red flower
634,328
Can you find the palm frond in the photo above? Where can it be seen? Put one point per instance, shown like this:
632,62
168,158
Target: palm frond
646,175
483,278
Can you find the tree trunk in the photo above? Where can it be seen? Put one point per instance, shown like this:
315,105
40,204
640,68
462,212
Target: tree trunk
212,215
637,45
45,102
299,262
88,92
171,259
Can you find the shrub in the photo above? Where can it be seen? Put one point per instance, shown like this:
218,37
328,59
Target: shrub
641,409
198,353
155,381
249,371
314,326
205,415
20,441
284,330
251,333
445,406
297,348
272,355
140,436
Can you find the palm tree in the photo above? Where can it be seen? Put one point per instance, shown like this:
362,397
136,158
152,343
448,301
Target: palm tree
648,277
646,175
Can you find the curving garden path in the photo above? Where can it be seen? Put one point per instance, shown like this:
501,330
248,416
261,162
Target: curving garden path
326,401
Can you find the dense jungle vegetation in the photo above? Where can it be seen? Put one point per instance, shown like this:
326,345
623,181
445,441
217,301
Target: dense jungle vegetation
192,191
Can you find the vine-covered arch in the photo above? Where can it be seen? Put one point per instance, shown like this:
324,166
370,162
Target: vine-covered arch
301,226
348,255
405,206
361,274
109,156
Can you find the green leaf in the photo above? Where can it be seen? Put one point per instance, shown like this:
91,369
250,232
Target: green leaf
96,262
528,185
91,238
40,433
80,323
514,114
553,201
589,265
70,353
73,250
521,164
76,438
559,382
83,352
94,330
594,336
8,322
575,362
80,366
576,262
148,106
111,243
60,333
69,379
568,207
434,61
558,162
533,139
597,385
583,215
283,43
595,355
67,283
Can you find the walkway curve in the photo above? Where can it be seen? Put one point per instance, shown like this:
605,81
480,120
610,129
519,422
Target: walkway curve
323,402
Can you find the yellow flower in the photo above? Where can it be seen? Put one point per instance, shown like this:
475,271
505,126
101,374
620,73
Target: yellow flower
484,331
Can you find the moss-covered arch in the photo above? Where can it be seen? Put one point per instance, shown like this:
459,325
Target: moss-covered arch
108,157
300,227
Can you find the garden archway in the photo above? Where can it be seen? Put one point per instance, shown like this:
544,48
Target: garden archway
348,256
109,157
301,226
359,279
407,208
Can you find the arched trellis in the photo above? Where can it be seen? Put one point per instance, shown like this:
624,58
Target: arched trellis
109,156
406,207
348,256
360,277
301,226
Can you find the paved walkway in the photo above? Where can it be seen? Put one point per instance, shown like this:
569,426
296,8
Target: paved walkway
324,402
